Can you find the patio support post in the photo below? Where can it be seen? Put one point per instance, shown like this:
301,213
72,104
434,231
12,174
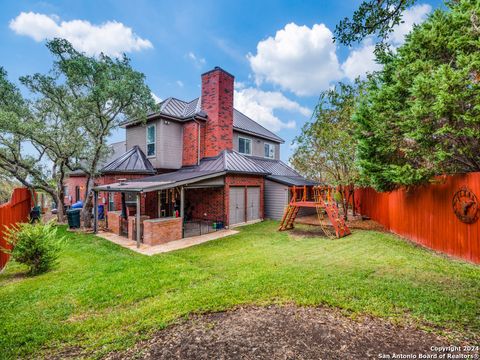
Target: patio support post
137,222
95,212
182,209
182,202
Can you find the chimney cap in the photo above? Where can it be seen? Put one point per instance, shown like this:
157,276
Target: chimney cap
218,68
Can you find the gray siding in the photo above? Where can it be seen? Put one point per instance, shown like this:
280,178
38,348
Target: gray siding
169,143
277,197
258,148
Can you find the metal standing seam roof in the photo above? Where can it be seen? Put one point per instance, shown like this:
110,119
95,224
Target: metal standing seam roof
133,161
282,173
228,161
183,110
242,122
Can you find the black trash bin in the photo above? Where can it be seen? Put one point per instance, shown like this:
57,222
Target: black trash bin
73,217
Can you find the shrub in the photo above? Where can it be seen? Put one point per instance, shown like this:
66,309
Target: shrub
36,246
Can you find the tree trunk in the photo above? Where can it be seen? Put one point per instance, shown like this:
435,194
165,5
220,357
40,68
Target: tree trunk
88,204
353,202
60,198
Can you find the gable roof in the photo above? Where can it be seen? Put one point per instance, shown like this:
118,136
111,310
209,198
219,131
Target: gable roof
183,111
133,161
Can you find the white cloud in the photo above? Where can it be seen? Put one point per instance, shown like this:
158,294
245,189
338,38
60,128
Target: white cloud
156,98
300,59
361,60
179,83
414,15
197,61
112,37
304,60
261,105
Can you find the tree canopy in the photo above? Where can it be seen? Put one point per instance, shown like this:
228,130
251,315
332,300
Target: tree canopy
373,17
325,150
70,113
420,115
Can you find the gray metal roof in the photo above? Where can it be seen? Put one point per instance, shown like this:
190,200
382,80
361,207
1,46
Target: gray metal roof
291,180
281,172
183,110
243,123
133,161
228,161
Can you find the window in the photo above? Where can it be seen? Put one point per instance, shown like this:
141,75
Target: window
244,146
269,151
111,201
151,135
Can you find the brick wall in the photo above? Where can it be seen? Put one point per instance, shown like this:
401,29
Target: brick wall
161,231
70,184
115,222
217,102
190,144
205,204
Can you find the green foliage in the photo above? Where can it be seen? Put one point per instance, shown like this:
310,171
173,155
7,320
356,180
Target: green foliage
71,112
420,117
6,188
35,245
104,297
326,149
373,17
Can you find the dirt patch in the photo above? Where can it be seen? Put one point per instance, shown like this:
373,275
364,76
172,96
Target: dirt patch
287,332
353,223
311,231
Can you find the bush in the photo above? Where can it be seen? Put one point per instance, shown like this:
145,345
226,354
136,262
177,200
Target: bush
36,246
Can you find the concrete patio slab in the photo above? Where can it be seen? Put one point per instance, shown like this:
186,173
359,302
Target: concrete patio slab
167,247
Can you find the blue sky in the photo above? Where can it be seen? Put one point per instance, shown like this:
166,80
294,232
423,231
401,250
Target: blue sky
280,52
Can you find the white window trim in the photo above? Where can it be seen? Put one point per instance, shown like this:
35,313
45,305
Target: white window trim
270,146
251,145
154,141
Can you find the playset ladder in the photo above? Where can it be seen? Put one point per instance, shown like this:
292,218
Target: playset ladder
289,216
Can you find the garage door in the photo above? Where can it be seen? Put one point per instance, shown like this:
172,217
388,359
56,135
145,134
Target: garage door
253,203
237,205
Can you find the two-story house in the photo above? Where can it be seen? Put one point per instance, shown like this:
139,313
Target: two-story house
224,166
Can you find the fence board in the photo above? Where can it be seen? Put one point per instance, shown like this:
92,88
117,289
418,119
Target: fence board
15,211
425,215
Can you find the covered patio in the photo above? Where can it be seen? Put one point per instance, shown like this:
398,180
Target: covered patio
168,207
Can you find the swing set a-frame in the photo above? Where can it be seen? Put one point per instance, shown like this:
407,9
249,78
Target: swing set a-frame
320,198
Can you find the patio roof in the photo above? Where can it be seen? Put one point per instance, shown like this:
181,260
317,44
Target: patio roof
228,161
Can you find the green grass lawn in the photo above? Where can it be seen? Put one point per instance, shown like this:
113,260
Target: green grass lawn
101,297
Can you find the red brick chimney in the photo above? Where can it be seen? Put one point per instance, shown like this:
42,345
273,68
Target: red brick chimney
217,102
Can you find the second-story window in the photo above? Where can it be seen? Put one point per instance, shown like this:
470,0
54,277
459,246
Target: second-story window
269,151
244,146
151,140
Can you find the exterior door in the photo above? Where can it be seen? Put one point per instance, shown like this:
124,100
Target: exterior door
237,205
253,203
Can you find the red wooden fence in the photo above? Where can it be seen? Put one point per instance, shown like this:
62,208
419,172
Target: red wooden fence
16,210
425,215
